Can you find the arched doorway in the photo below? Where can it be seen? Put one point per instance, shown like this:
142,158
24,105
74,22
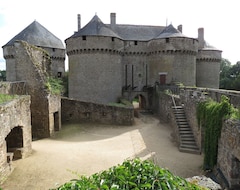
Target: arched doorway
139,101
14,142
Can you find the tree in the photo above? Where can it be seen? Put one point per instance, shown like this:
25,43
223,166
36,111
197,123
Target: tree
2,75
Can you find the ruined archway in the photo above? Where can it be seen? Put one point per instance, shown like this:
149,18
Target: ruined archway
14,142
140,101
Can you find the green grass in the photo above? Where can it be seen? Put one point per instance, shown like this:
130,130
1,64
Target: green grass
5,98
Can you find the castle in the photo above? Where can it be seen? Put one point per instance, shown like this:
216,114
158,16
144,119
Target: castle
109,61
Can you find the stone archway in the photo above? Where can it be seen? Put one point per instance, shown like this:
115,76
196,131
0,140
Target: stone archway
142,102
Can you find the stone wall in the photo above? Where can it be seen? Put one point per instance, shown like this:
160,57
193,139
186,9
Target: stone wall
33,65
15,133
18,87
78,111
229,152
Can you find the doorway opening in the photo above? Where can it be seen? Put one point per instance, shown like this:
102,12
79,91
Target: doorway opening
14,142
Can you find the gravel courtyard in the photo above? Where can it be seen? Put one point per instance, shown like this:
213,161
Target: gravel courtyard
84,149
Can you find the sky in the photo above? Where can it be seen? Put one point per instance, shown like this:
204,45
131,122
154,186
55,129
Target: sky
219,18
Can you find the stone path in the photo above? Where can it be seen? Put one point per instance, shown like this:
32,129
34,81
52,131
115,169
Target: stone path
83,149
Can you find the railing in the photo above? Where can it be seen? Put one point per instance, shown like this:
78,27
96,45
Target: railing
16,87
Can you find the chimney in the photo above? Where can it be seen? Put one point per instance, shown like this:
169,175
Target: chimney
179,28
201,38
113,19
79,21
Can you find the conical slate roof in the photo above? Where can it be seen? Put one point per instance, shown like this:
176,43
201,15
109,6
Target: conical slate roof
95,28
170,31
207,46
37,35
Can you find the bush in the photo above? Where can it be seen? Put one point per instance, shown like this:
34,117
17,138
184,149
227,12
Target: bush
131,175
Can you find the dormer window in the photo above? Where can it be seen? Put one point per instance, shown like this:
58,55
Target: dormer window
84,38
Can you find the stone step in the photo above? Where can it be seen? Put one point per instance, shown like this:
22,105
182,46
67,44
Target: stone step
187,150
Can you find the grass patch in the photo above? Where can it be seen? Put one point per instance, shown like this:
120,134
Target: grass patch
5,98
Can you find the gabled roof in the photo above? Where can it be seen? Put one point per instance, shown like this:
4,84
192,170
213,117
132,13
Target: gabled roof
170,31
137,32
95,28
37,35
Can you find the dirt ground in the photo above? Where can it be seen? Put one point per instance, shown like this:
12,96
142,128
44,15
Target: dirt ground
84,149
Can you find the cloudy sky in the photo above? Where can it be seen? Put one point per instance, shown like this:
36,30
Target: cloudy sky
219,18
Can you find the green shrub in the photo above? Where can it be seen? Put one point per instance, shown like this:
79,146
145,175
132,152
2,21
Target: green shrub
131,175
210,116
54,85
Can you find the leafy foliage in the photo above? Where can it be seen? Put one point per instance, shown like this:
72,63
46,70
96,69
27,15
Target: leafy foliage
2,75
131,175
54,85
210,115
229,75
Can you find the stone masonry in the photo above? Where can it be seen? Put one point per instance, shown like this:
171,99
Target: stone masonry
32,66
15,133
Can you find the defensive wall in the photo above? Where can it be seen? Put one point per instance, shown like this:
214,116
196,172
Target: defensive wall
228,164
78,111
15,133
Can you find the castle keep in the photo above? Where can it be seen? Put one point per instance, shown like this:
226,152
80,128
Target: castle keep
109,61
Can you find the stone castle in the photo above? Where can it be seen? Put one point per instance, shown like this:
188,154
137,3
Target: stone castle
108,61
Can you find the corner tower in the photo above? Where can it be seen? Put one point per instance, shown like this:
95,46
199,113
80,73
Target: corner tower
37,35
208,63
94,53
172,58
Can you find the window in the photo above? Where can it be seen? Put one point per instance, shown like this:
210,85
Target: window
59,74
113,39
84,38
135,43
167,40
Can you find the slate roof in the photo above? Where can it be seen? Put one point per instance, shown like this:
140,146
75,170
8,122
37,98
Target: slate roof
95,28
170,31
127,32
37,35
137,32
207,46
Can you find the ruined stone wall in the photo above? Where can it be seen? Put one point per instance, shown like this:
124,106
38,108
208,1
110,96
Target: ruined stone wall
13,114
229,152
79,111
13,88
33,65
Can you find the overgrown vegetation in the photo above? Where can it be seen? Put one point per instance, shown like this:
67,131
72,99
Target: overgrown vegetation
54,85
210,115
131,175
5,98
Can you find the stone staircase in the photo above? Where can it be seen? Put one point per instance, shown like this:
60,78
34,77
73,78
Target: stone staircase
186,136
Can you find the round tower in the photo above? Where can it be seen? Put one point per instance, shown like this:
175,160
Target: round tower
208,63
95,70
172,58
37,35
